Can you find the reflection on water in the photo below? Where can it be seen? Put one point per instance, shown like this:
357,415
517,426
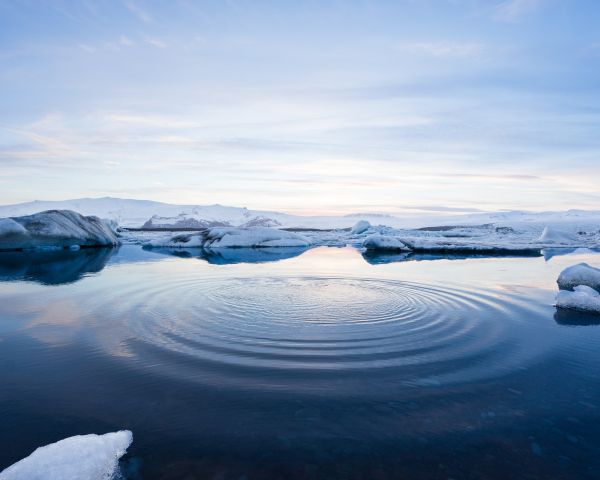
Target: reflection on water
320,365
375,258
53,267
575,318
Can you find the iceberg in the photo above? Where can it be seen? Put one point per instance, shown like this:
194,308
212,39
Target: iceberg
82,457
582,298
232,237
55,229
580,274
555,236
384,242
426,245
360,227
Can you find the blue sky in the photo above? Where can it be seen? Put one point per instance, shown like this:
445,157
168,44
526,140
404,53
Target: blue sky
308,107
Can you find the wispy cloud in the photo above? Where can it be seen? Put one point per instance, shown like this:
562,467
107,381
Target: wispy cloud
442,49
514,10
125,41
138,11
87,48
155,42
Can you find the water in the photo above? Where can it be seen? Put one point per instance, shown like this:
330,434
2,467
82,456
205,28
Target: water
289,364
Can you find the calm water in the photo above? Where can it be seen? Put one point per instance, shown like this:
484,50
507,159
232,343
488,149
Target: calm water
289,364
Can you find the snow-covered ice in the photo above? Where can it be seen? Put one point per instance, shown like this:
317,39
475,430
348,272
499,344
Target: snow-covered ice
83,457
55,229
582,298
383,242
460,245
554,235
580,274
230,237
360,227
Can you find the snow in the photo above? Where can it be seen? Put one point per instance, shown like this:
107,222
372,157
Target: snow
582,298
580,274
232,237
83,457
383,242
459,245
54,229
554,235
9,227
253,237
360,227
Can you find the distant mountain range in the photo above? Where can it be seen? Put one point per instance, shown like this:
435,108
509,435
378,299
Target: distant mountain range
147,213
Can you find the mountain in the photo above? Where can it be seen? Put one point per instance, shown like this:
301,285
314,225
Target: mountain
137,213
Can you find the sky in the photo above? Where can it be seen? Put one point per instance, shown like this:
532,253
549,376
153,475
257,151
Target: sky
308,107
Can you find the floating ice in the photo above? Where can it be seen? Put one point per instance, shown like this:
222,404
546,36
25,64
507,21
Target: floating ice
360,227
582,298
83,457
54,229
231,237
433,245
383,242
553,235
580,274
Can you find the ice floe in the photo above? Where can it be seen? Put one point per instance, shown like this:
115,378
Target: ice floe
230,237
556,236
580,274
55,229
383,243
83,457
360,227
582,298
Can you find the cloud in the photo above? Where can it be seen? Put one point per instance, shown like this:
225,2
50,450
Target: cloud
442,49
436,208
138,12
155,42
87,48
125,41
514,10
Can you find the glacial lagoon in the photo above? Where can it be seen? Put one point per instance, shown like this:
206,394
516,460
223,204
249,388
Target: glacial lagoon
293,363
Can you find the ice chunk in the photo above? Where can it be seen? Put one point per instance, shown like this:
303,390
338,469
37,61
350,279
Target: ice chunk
253,237
180,240
9,227
360,227
232,237
431,245
582,298
383,242
54,228
83,457
580,274
553,235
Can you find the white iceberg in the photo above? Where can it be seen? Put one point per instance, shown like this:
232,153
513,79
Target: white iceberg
55,229
232,237
360,227
83,457
582,298
556,236
431,245
384,242
580,274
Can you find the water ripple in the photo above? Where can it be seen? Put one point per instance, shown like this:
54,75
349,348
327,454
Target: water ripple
426,334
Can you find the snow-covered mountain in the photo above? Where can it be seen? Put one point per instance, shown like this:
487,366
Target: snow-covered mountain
137,213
